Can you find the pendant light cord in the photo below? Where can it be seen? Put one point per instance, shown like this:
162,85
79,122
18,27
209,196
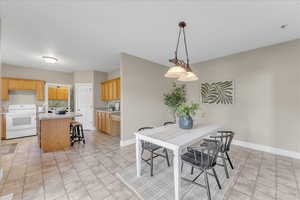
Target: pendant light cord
186,50
178,40
185,45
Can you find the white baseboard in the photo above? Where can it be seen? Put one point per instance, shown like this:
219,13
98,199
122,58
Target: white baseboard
258,147
268,149
127,142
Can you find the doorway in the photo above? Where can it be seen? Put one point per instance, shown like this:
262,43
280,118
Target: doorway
84,104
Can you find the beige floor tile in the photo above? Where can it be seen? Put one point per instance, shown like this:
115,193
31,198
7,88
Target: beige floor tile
87,172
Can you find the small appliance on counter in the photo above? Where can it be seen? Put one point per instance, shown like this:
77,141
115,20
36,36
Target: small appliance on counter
117,106
41,109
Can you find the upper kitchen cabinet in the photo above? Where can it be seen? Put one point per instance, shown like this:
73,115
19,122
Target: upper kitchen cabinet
110,90
4,89
60,93
22,84
40,90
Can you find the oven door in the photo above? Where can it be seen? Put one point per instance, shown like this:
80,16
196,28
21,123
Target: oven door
20,121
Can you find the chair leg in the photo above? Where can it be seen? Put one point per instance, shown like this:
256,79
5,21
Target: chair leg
228,158
207,185
217,179
82,134
192,171
167,157
225,166
151,163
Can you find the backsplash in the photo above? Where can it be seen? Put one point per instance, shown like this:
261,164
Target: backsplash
21,97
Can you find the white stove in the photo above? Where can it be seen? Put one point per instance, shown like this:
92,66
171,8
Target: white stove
21,121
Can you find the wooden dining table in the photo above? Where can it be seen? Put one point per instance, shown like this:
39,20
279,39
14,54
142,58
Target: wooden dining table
175,139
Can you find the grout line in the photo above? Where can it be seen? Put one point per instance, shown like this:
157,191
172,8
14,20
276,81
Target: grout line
297,182
258,171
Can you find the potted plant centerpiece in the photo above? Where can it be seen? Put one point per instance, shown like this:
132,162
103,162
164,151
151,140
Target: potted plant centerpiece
175,98
185,113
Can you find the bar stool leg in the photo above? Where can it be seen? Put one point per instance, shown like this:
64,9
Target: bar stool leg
82,134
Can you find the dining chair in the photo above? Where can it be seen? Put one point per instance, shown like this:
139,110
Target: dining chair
203,158
224,138
152,148
168,123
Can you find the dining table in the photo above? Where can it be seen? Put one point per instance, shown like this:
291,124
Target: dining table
176,140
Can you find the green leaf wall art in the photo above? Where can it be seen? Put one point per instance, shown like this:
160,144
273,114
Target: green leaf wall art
221,92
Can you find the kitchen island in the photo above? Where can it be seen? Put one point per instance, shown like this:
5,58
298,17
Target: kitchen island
54,130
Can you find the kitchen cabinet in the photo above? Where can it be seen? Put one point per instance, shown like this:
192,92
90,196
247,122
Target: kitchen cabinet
15,84
40,90
4,89
22,84
110,90
28,84
3,128
52,94
60,93
103,122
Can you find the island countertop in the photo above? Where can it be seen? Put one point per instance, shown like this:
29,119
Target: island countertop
46,116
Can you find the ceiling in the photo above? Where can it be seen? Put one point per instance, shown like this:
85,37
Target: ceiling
89,35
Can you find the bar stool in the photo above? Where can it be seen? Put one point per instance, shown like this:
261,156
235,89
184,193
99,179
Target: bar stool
76,132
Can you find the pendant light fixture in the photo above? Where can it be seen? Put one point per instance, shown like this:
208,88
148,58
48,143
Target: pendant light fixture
181,70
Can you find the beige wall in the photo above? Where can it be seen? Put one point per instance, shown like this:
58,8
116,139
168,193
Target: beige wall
98,78
142,88
114,74
83,77
39,74
267,106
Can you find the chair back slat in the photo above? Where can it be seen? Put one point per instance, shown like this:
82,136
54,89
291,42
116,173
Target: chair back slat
226,139
142,129
208,154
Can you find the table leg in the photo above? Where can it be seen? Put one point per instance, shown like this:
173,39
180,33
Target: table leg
177,174
138,156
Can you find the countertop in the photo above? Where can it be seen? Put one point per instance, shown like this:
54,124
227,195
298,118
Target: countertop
105,110
45,116
116,115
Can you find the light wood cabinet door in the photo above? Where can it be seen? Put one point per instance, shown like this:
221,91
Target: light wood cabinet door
118,86
28,84
52,94
98,120
107,122
114,89
110,90
103,123
14,84
4,89
62,93
40,90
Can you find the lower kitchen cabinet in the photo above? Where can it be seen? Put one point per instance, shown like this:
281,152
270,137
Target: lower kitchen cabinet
104,123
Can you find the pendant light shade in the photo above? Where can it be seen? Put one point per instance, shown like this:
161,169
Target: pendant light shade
182,69
188,76
175,72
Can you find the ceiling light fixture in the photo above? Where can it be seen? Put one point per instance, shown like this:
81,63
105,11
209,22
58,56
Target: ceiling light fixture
283,26
49,59
181,70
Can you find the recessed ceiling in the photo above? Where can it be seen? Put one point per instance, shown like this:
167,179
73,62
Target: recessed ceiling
89,35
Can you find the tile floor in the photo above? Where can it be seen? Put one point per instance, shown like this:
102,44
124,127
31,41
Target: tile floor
87,172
